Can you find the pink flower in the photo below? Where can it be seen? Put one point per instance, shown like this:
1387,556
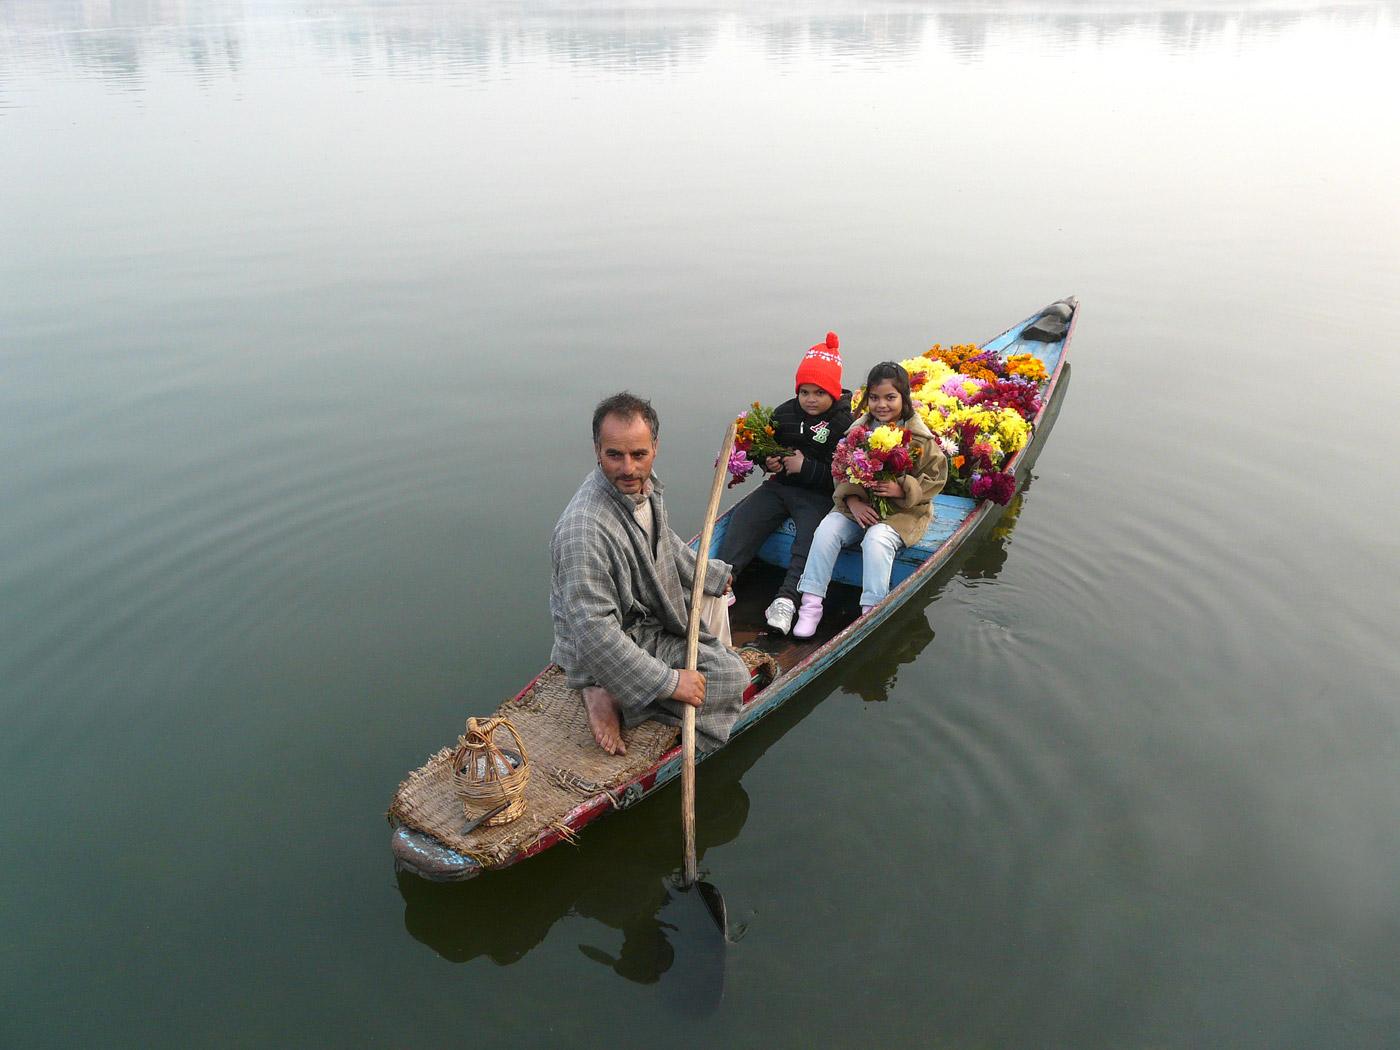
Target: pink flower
740,467
954,386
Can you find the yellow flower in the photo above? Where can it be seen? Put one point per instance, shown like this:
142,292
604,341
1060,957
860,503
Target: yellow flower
936,398
933,416
1013,430
919,369
1026,365
981,418
938,371
884,438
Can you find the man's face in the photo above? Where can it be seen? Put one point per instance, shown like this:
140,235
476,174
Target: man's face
625,450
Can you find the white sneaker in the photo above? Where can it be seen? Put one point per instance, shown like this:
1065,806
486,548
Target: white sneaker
779,614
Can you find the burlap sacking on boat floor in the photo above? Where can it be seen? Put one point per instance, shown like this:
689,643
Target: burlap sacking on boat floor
567,767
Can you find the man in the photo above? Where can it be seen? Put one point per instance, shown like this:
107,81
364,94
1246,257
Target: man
620,595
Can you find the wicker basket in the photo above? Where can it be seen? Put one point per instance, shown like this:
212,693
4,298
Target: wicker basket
486,774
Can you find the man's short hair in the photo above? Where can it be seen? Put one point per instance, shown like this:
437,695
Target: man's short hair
626,406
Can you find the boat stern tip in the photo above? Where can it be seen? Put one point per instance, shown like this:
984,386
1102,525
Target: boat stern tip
429,859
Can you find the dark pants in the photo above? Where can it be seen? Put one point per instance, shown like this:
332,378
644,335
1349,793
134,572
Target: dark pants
754,520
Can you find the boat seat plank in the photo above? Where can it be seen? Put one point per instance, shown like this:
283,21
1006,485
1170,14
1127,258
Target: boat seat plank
948,513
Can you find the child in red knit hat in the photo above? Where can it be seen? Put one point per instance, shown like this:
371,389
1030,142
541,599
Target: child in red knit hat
799,486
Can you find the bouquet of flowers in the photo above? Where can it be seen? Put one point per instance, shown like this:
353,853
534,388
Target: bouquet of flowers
754,442
979,406
869,456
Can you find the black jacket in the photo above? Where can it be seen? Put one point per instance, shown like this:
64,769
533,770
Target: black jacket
815,437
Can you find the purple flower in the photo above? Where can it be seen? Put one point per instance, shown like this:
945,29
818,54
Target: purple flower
740,467
990,360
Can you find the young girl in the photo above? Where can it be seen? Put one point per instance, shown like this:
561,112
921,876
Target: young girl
886,401
800,485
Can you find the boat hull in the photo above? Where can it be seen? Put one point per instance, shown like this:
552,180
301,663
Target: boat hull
421,854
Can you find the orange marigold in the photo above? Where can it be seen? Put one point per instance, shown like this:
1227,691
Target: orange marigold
1026,365
955,357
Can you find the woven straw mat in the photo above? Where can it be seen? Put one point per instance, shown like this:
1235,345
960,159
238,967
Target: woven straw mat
566,767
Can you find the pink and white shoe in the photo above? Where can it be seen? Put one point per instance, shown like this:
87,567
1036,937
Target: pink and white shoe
865,609
809,614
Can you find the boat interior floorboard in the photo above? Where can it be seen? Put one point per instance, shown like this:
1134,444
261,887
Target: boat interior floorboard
756,587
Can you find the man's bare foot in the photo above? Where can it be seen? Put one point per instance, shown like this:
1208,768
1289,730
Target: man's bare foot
604,719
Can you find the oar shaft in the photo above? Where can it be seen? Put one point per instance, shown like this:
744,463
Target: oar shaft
692,657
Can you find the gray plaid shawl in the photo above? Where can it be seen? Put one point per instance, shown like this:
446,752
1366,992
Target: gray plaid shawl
620,614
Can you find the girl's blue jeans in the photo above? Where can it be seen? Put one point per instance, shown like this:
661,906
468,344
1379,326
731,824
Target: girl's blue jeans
878,544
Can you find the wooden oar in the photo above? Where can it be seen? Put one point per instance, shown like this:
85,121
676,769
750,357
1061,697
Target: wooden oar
692,656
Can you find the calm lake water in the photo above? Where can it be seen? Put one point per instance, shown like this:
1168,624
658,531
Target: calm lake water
303,309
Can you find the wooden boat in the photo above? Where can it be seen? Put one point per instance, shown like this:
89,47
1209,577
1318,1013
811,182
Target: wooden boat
425,818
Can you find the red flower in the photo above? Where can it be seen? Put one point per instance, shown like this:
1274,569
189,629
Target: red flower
998,487
982,455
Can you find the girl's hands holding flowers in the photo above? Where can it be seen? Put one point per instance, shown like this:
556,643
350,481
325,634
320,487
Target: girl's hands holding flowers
774,464
863,512
890,489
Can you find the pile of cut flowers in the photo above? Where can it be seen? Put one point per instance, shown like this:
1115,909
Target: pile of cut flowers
979,406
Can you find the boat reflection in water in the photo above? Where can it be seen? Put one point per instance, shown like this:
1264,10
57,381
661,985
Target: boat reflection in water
872,670
620,872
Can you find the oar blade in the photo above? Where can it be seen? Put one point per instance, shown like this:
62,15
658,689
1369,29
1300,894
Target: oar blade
694,982
714,903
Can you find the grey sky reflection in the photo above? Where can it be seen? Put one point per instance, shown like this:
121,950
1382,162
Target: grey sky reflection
121,42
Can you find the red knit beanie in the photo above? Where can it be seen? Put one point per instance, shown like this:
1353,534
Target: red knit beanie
821,366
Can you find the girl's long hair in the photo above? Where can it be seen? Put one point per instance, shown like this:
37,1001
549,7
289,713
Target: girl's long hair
896,374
